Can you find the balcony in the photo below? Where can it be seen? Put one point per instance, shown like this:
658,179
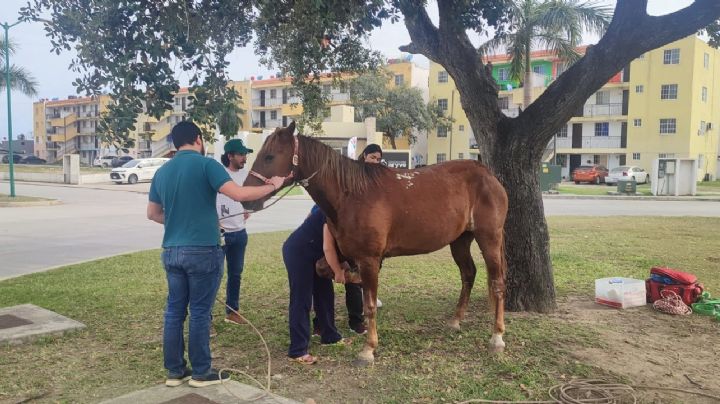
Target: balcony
267,102
63,121
593,110
591,142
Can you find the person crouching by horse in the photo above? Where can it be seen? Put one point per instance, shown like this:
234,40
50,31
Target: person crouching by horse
182,198
232,224
307,244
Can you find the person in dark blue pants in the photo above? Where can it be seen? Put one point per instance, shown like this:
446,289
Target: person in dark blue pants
301,250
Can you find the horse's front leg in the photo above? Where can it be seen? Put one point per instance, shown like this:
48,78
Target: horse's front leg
369,268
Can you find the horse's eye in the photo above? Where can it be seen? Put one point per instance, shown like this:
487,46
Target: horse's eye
269,158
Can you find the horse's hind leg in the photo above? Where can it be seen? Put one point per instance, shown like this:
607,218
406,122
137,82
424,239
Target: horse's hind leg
492,244
369,268
460,249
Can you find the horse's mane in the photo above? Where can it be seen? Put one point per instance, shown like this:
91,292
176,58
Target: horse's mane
351,176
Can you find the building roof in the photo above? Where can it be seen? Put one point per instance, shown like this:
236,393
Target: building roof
538,54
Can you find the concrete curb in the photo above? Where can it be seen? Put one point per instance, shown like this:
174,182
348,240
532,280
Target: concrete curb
29,203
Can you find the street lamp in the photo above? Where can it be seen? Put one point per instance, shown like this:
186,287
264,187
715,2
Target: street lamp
11,156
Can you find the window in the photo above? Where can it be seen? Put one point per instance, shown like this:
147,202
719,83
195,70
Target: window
441,157
563,132
668,92
461,128
443,104
671,56
666,155
561,160
602,98
596,159
539,69
461,156
399,79
503,102
273,93
273,115
637,122
706,60
442,131
623,159
667,125
636,156
703,94
442,76
503,74
701,131
602,129
639,89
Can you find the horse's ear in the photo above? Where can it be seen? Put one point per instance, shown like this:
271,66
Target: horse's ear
291,128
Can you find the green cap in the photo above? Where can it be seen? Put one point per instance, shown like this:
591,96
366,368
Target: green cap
236,146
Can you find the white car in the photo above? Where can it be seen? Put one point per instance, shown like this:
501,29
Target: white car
137,170
627,173
104,161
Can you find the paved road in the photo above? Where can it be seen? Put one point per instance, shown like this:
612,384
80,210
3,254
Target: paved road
106,220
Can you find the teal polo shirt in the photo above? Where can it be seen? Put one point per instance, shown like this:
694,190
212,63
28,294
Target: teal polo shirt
186,187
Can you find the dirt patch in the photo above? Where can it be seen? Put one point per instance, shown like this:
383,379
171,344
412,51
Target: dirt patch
650,348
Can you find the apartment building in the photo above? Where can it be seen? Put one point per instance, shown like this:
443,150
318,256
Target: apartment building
661,105
68,127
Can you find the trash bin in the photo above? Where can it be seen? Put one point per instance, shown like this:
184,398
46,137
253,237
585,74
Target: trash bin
549,176
626,186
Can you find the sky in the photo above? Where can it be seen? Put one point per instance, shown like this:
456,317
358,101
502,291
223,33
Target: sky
55,78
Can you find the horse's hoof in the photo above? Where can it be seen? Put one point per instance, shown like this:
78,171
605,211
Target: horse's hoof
454,324
362,363
496,345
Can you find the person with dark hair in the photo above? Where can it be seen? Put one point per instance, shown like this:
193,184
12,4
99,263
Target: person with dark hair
372,153
182,198
302,249
232,227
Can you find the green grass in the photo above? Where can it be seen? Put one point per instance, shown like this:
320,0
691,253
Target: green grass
709,186
121,299
296,191
587,189
4,198
49,168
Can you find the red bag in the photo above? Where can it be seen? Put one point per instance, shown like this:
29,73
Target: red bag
683,284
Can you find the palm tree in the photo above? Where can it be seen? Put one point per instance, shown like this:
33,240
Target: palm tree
20,79
556,25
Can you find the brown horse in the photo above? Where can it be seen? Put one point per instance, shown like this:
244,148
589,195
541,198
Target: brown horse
376,212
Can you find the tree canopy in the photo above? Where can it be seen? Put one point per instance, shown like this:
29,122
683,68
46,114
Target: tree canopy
20,79
399,110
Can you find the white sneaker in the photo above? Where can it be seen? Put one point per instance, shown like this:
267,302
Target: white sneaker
378,303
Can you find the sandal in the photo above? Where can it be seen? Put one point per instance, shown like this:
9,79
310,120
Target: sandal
306,359
342,342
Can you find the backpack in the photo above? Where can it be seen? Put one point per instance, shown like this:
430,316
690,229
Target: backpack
683,284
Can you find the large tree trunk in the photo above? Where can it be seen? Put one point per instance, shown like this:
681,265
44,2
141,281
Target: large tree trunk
530,285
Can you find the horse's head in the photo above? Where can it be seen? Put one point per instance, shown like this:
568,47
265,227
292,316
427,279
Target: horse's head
275,158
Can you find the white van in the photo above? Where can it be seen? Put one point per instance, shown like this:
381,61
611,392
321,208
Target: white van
137,170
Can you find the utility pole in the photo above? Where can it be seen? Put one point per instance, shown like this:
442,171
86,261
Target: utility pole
11,156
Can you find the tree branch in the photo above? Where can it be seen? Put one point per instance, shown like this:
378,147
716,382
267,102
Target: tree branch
423,33
631,33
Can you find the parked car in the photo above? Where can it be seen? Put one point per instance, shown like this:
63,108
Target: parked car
137,170
628,173
120,161
104,161
16,158
32,160
594,174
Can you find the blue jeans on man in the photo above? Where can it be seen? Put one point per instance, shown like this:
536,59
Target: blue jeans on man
193,276
234,248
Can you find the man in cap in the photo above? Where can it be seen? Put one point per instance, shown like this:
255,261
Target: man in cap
232,227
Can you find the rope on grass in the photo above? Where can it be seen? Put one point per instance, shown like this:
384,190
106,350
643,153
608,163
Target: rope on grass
592,391
671,303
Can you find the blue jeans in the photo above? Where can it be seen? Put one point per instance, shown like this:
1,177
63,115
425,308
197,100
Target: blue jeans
235,243
193,276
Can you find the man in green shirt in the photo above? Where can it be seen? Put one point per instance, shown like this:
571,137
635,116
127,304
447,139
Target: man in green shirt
182,198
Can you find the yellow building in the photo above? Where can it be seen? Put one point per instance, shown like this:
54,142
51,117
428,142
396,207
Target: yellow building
650,109
68,126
